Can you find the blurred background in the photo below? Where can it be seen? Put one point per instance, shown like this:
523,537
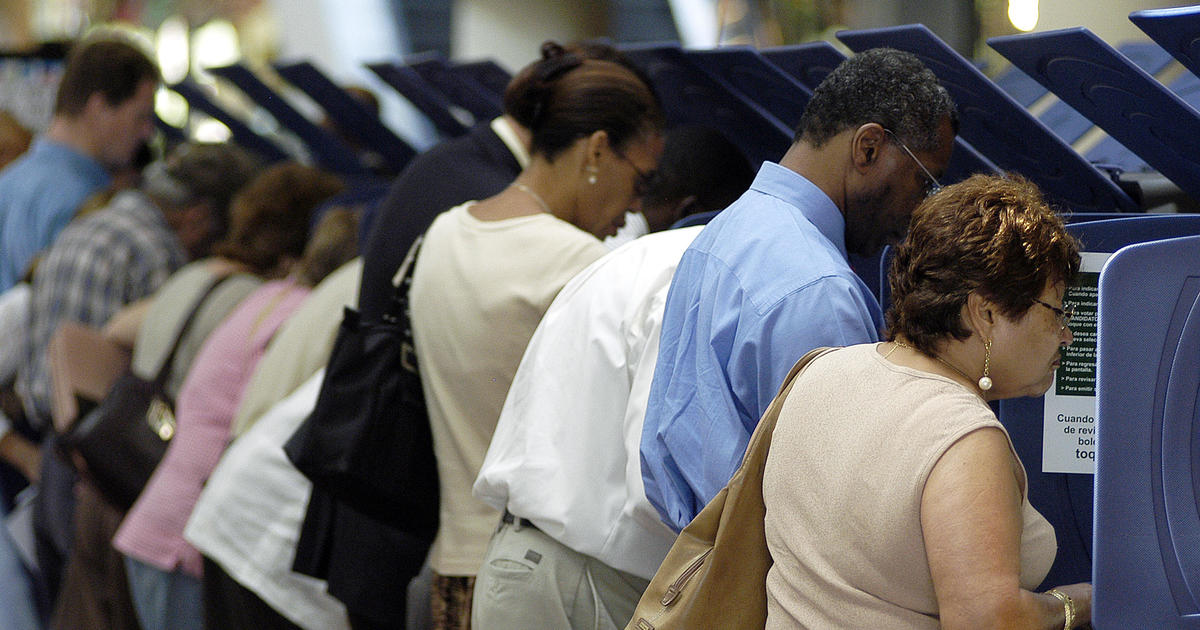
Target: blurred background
341,36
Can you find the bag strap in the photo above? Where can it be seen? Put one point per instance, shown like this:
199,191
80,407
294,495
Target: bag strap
397,311
761,438
164,370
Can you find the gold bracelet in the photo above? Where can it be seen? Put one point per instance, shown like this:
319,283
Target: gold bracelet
1068,607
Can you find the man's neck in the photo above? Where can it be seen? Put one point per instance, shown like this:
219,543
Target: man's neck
72,133
822,166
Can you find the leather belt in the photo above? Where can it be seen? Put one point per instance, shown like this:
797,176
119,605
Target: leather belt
510,519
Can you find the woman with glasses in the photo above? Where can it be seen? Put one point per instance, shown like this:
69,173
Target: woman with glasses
894,496
488,270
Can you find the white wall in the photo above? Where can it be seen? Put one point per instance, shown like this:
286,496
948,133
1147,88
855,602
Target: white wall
511,33
339,36
16,25
1108,19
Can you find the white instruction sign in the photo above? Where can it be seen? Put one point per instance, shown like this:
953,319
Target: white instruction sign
1069,420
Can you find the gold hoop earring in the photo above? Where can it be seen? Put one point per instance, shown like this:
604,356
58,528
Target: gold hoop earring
985,381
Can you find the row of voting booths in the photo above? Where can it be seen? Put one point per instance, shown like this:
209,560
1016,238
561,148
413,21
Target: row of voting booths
1113,450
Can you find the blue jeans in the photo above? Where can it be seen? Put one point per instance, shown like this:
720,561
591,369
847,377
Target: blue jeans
18,609
165,600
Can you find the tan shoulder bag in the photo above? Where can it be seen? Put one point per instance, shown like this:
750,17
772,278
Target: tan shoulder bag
715,574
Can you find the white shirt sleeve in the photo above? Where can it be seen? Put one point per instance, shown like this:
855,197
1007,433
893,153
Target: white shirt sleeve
15,304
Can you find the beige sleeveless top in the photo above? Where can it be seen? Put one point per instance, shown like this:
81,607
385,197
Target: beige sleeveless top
856,440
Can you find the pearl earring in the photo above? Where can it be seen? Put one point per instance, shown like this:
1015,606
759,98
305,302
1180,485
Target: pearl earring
985,381
591,178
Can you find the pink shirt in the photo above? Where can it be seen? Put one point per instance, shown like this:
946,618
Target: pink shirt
153,530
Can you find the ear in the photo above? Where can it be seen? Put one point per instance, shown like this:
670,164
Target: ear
981,314
96,105
684,205
596,144
866,145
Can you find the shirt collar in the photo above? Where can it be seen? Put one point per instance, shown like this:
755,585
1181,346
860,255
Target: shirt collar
812,202
508,135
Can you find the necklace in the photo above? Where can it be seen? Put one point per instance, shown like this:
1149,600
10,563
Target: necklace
536,197
944,362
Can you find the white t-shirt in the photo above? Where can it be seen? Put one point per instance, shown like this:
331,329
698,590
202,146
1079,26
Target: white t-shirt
14,329
565,454
479,289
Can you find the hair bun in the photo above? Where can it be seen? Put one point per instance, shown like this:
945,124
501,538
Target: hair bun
556,61
552,49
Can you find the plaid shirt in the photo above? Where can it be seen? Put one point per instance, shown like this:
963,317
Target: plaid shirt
99,263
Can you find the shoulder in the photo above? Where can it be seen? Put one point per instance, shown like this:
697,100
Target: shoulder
131,219
192,279
561,236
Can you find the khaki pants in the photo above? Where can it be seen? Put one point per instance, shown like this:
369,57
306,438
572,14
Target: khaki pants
529,580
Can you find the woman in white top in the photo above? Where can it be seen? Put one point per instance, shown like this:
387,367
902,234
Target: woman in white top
488,270
894,496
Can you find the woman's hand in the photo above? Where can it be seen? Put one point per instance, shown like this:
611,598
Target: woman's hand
1081,600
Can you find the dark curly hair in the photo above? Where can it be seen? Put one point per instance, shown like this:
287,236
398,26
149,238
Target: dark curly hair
991,234
881,85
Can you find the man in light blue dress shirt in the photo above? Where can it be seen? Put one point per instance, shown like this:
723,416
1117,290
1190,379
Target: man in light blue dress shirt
768,279
103,112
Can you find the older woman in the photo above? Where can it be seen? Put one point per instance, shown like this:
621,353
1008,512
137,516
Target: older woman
488,270
894,496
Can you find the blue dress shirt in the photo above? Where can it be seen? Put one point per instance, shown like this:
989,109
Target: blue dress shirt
39,194
765,282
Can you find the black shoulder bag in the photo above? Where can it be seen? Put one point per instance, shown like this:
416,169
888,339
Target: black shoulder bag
125,436
368,442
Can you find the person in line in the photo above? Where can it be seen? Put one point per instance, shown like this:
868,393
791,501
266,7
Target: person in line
564,457
768,279
125,251
103,112
163,570
899,501
487,271
700,173
341,544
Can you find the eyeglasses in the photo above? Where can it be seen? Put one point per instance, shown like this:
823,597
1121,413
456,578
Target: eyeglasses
644,178
932,185
1063,314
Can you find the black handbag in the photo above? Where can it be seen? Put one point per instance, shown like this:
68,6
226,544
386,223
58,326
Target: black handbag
368,442
124,437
